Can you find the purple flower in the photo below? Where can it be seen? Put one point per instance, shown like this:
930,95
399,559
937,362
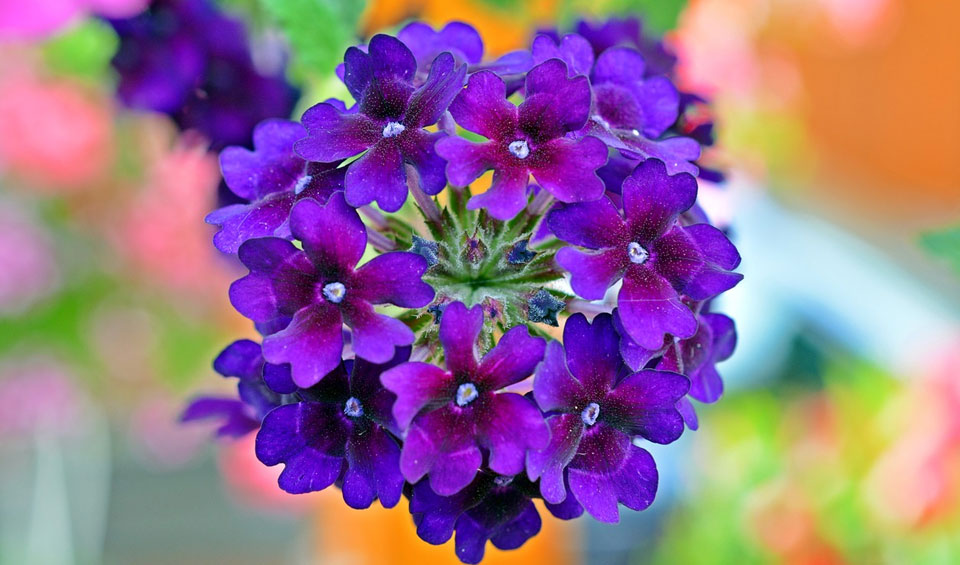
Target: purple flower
491,508
594,415
341,431
239,416
629,32
525,140
626,100
270,178
321,288
656,258
449,415
389,126
457,38
186,59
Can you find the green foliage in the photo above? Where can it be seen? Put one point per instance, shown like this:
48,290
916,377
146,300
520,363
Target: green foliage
944,244
85,50
319,31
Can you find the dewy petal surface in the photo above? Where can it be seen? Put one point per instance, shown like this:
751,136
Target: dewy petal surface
594,225
653,200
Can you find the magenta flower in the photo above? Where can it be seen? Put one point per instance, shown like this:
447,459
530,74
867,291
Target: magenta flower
525,140
450,414
388,127
321,288
656,257
270,178
595,411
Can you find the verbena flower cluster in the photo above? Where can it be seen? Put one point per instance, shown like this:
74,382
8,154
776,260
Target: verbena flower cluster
407,348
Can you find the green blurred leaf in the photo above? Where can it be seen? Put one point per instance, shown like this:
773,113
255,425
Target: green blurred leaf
944,244
84,50
319,31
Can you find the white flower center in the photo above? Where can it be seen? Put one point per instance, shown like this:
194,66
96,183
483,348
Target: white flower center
466,393
637,253
302,184
502,480
519,149
393,129
590,414
334,292
353,408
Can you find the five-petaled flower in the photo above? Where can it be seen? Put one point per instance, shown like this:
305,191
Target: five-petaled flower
451,414
341,429
388,127
321,288
595,409
525,140
648,249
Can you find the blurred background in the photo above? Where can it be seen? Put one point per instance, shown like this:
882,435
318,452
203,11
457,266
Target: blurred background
837,441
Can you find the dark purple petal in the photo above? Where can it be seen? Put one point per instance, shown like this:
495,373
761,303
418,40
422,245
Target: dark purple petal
417,386
593,352
279,282
432,99
724,335
677,257
660,102
441,443
482,107
573,50
375,336
279,378
609,469
569,508
393,278
634,355
436,516
240,359
644,404
334,135
236,418
554,388
571,96
649,308
567,168
513,359
548,464
594,225
311,344
271,167
419,149
378,176
459,330
240,222
516,532
466,160
715,246
309,438
373,460
332,234
507,194
652,200
386,61
509,425
591,274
